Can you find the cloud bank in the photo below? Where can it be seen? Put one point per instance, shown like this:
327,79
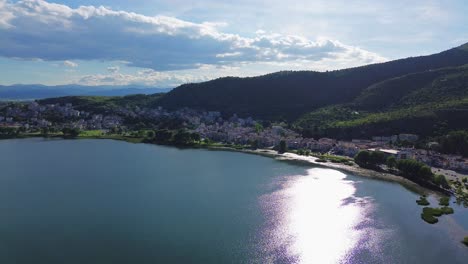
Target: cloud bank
36,29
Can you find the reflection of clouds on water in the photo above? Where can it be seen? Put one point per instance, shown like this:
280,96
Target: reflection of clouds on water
316,219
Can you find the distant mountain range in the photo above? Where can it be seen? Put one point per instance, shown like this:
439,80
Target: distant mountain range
36,91
427,95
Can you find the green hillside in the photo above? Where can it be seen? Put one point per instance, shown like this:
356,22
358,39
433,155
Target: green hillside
428,86
104,104
425,103
288,95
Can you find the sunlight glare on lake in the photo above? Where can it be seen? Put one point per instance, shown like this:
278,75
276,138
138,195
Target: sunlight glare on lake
315,223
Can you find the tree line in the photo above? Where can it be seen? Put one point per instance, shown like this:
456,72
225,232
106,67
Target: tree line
408,168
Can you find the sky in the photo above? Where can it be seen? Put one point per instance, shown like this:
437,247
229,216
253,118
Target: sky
164,43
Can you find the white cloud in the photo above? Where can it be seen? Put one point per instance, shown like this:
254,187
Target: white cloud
70,64
145,77
38,29
113,69
5,15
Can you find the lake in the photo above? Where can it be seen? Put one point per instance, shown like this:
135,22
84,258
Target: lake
104,201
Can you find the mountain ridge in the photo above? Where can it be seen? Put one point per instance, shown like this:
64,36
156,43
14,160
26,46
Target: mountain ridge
39,91
289,94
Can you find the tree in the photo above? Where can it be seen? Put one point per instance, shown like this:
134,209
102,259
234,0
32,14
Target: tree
182,137
45,131
258,127
440,180
367,159
195,137
163,136
377,157
8,132
254,144
283,147
425,173
455,142
141,133
391,162
150,134
363,158
70,132
416,170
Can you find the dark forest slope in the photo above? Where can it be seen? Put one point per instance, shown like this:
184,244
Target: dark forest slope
291,94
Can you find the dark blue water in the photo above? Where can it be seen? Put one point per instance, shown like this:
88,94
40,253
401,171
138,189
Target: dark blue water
102,201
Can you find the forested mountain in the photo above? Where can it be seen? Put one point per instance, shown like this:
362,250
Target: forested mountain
288,95
105,104
426,95
426,103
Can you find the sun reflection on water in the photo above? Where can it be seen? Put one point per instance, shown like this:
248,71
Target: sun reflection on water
313,219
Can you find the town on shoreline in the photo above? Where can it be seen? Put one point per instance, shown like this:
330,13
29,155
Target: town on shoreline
210,128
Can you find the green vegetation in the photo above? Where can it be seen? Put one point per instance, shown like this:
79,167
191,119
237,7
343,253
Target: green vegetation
455,142
441,181
447,210
9,132
303,152
104,104
71,132
91,133
335,159
283,147
428,215
422,201
391,162
444,201
369,159
258,127
428,103
465,241
408,168
133,137
415,170
179,137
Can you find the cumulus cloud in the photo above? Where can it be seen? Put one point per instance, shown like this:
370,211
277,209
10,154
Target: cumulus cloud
5,16
70,64
38,29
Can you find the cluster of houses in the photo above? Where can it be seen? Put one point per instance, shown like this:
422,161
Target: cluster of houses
240,133
33,116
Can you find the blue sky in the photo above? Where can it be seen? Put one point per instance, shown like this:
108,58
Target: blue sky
168,42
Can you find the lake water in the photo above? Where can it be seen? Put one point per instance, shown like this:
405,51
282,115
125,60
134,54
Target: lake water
103,201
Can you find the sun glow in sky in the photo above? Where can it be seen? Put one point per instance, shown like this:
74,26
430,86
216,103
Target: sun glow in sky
165,43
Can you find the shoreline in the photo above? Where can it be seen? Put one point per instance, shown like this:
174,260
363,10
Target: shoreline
288,157
355,170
